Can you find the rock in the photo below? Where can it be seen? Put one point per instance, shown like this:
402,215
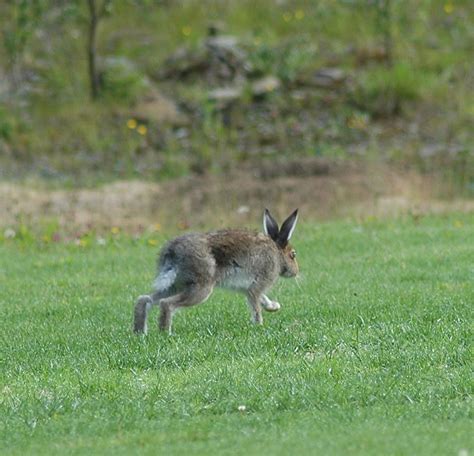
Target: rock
157,108
326,78
216,59
430,150
228,62
227,42
225,94
183,62
265,85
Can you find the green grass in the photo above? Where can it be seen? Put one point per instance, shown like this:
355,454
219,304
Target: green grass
369,355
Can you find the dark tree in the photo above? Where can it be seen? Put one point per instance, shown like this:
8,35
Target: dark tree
385,18
96,14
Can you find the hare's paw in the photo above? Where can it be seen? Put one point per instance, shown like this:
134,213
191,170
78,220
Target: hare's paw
272,306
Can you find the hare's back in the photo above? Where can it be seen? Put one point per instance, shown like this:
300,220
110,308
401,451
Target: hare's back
241,256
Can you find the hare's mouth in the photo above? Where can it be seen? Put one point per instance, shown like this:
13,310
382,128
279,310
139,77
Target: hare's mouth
288,273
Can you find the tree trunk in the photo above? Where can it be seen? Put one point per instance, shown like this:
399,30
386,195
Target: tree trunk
91,50
386,11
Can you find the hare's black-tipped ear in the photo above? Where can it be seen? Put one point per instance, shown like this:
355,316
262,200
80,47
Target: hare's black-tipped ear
270,227
287,228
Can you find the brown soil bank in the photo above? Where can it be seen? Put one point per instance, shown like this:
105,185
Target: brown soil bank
320,189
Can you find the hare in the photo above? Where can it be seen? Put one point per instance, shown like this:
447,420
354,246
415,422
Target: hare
190,266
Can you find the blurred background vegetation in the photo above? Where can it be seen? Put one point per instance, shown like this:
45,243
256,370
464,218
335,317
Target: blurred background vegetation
94,90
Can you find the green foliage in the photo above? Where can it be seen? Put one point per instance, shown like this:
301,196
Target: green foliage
370,345
382,91
286,61
296,58
20,20
6,124
121,81
263,60
431,67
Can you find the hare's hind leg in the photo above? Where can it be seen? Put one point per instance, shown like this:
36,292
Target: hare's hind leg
142,307
191,296
164,286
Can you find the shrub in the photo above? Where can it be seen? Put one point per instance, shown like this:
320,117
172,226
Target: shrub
381,91
6,124
121,80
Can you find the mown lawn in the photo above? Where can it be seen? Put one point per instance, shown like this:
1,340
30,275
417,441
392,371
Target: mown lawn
370,353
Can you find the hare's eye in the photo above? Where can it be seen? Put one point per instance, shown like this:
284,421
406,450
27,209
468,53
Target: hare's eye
293,254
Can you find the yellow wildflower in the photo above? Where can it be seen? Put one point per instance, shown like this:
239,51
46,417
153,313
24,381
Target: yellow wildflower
448,8
115,230
299,14
131,123
157,227
357,122
458,224
152,242
142,130
186,30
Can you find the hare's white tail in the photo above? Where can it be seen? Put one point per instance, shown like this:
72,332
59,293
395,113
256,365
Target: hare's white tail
165,278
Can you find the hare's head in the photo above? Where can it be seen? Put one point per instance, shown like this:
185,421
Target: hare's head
281,237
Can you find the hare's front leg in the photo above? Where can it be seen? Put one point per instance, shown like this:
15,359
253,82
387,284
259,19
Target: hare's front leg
254,299
269,305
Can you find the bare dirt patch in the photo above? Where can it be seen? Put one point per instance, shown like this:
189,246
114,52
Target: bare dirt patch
321,190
